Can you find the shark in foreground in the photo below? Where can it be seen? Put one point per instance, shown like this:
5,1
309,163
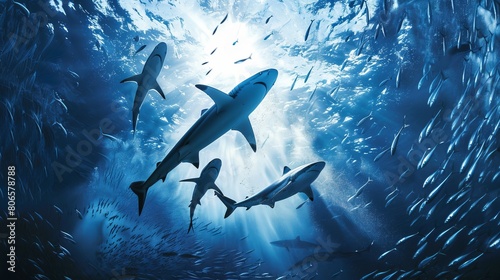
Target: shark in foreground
205,182
290,183
295,243
147,79
230,111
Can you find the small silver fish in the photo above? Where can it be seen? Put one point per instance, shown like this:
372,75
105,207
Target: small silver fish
267,20
243,60
140,49
308,29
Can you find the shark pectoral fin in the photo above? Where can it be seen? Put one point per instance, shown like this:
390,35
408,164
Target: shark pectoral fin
220,98
158,89
213,186
193,180
245,127
309,192
136,78
286,169
203,111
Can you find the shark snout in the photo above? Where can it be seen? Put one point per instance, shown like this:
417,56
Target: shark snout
267,78
271,76
215,163
161,48
160,51
317,166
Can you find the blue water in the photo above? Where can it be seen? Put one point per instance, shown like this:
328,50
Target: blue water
373,67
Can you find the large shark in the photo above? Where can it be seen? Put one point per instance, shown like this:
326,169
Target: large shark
205,182
295,243
230,111
290,183
147,79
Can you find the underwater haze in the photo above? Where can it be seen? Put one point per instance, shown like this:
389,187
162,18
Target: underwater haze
398,98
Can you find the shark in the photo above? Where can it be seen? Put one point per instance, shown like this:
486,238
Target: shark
205,182
230,112
289,184
146,81
295,243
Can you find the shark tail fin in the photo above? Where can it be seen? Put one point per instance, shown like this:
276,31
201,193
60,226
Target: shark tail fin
135,114
229,203
190,226
140,191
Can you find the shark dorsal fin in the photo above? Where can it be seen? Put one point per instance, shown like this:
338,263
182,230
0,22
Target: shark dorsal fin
286,169
220,98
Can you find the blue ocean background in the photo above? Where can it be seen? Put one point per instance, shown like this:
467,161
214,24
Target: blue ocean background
352,76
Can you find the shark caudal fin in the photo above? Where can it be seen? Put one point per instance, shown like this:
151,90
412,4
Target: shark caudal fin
190,226
140,191
229,203
192,207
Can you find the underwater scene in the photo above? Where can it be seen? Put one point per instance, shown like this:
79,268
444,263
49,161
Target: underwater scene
276,139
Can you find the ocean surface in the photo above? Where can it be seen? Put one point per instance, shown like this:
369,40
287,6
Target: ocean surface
398,98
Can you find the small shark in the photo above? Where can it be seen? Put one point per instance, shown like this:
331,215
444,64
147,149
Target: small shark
331,255
206,181
230,111
295,243
147,79
290,183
